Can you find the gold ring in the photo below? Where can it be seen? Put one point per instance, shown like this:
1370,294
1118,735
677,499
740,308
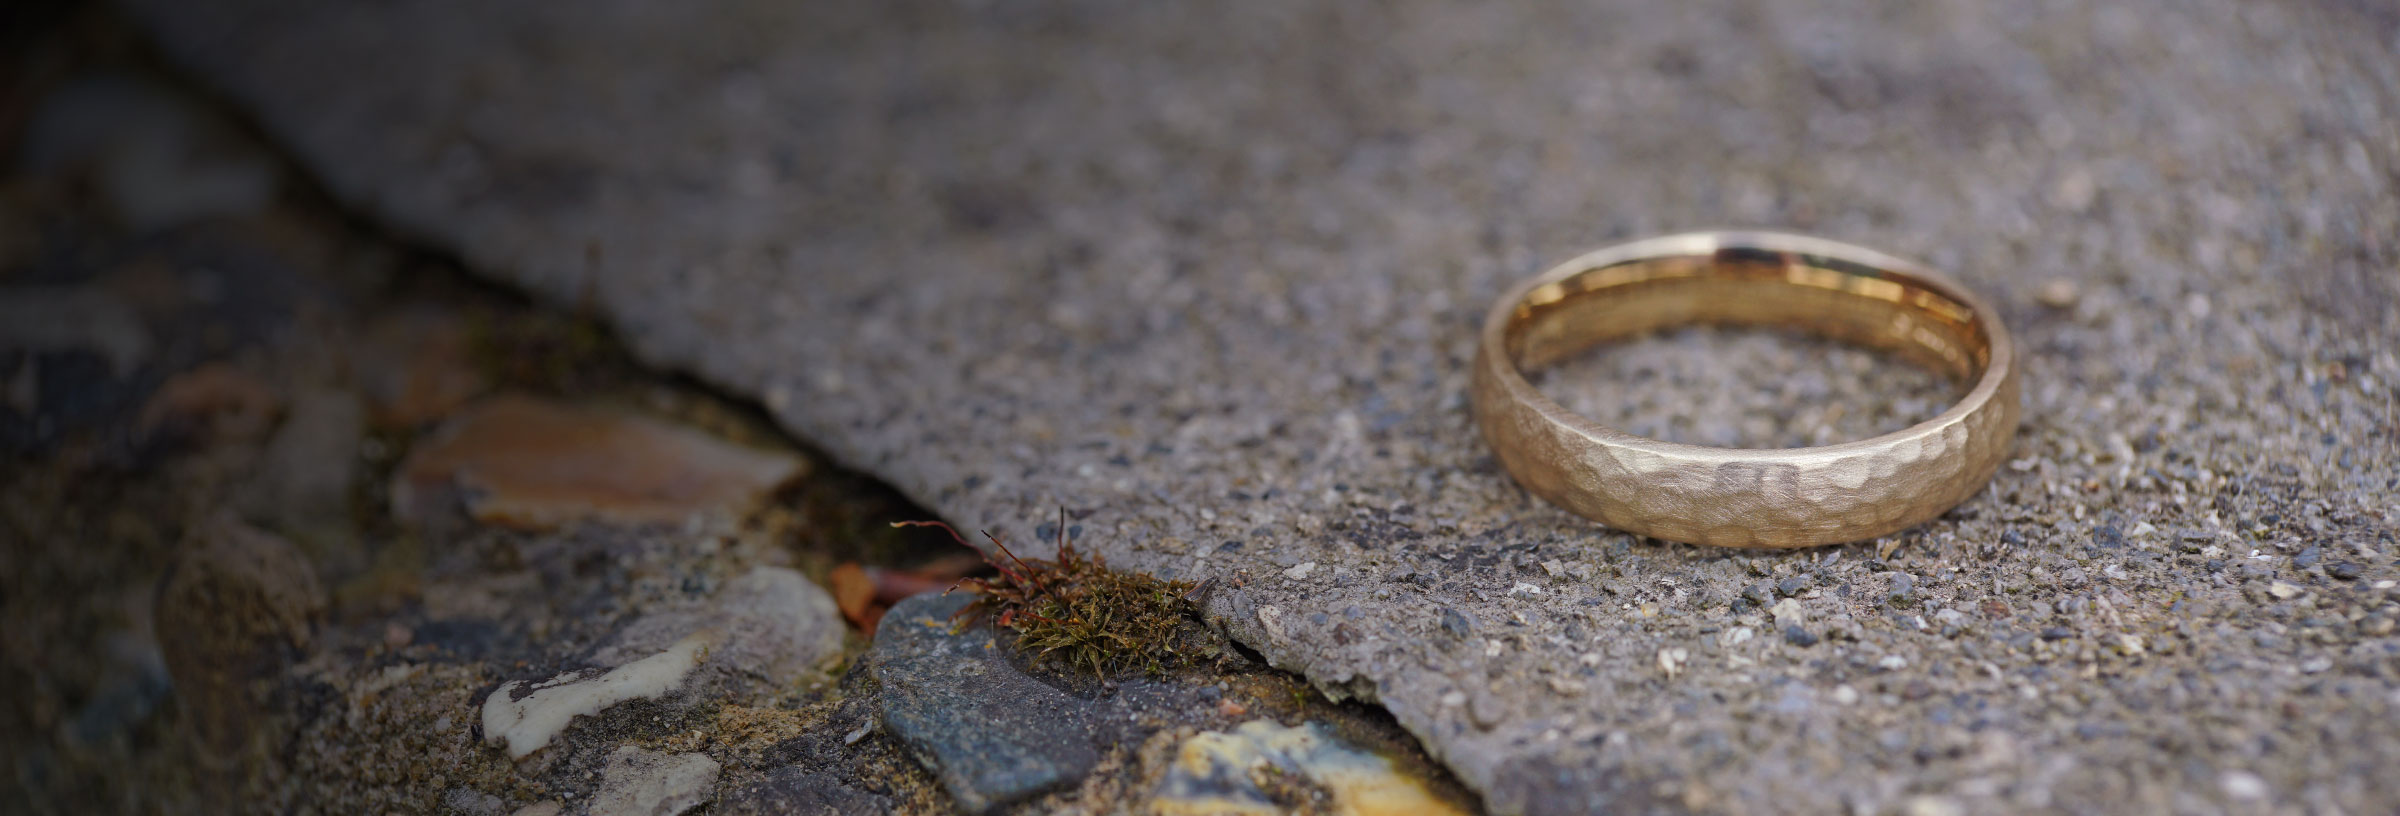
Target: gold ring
1794,497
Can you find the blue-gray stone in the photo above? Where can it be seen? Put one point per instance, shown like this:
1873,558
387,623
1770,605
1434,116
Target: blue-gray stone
992,734
793,791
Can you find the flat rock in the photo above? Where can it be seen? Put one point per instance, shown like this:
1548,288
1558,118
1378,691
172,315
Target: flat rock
992,734
531,463
1218,772
646,783
768,624
158,157
791,791
525,717
1209,278
761,630
995,732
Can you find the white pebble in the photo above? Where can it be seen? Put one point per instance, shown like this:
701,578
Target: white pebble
1933,806
2243,785
526,724
2058,293
1788,613
1671,661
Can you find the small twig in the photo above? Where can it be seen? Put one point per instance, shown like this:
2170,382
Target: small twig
954,536
1029,570
962,541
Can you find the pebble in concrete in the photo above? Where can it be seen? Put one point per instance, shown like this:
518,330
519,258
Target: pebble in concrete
770,623
524,462
993,735
793,791
233,612
526,722
1257,768
644,783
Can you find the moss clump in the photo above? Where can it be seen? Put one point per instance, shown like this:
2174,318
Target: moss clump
1076,611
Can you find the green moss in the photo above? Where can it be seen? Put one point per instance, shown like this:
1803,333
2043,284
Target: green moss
1078,612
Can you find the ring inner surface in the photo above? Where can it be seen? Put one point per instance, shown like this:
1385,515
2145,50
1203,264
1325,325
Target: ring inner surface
1830,297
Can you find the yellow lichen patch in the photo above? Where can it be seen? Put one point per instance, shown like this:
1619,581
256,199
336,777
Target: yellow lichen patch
1265,768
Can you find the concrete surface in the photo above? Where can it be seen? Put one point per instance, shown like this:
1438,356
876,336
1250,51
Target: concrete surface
1207,277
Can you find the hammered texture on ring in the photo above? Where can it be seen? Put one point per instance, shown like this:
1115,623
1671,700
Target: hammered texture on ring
1793,497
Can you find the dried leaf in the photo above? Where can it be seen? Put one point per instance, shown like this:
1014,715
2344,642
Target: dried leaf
854,592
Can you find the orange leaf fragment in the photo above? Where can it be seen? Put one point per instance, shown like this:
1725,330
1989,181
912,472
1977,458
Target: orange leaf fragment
854,592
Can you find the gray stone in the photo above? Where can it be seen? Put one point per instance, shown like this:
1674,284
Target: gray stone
1212,274
158,158
124,697
769,624
236,609
645,783
764,630
993,735
305,480
1904,588
792,791
37,319
1759,594
472,802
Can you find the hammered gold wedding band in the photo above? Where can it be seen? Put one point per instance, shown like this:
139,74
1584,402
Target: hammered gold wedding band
1794,497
